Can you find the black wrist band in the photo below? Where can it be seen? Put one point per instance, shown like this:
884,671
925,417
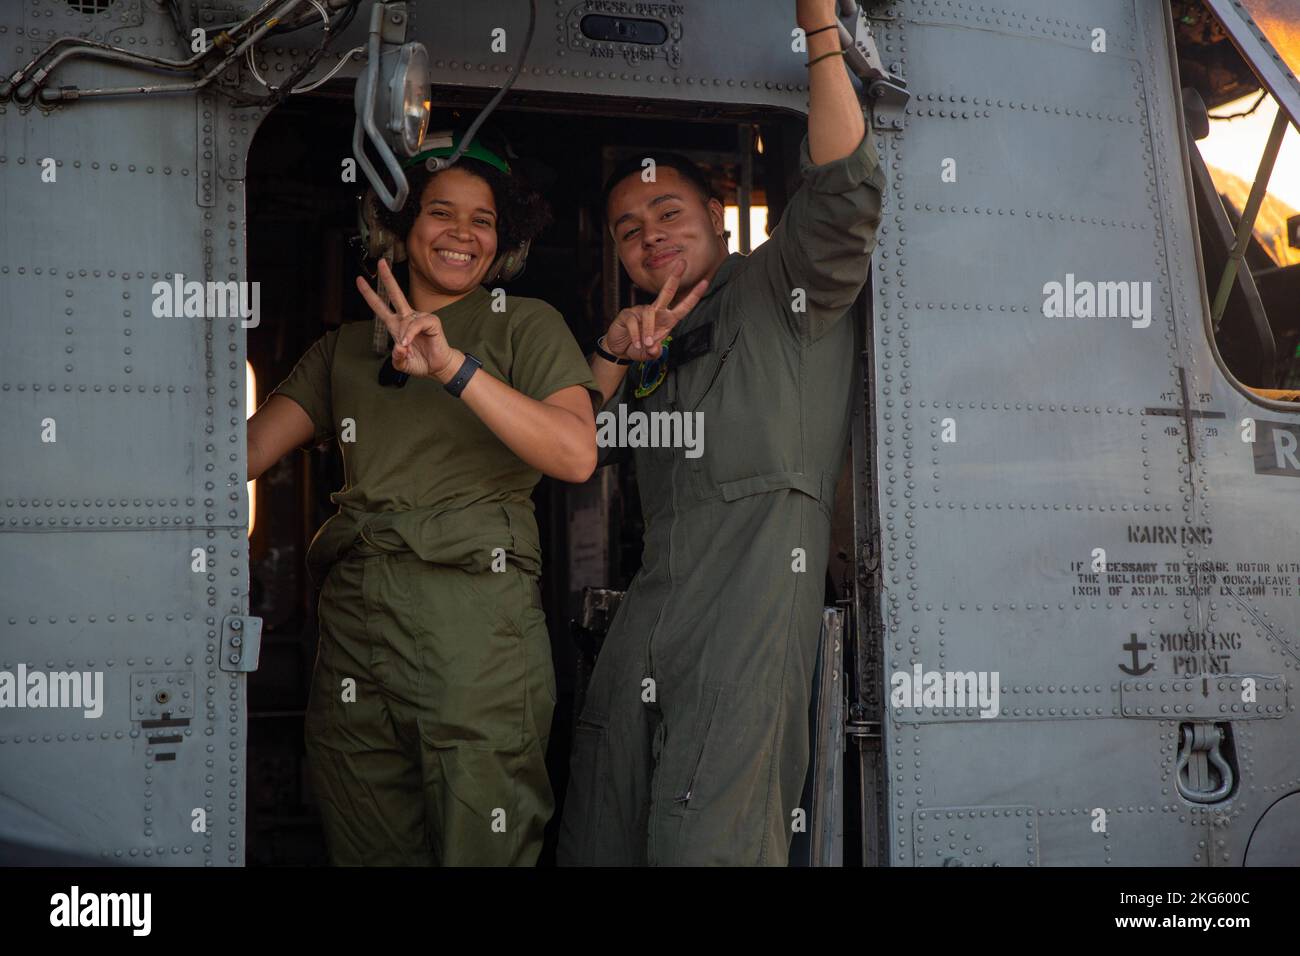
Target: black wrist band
467,370
818,59
820,30
609,356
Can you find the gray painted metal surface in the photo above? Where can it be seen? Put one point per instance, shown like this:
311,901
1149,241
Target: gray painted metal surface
1010,445
102,526
819,837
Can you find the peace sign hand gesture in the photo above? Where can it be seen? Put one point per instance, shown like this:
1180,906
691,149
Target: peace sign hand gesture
419,347
638,332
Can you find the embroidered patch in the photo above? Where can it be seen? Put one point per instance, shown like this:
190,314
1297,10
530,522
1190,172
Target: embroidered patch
654,372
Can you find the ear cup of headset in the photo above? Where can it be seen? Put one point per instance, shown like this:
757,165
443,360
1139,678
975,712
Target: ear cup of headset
509,265
376,241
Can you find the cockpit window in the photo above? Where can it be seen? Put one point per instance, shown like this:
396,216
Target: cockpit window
1237,61
1277,20
1238,132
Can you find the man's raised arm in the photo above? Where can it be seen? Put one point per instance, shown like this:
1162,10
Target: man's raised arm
817,258
835,124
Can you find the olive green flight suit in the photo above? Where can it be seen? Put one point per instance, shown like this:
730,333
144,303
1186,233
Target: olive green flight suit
692,747
433,690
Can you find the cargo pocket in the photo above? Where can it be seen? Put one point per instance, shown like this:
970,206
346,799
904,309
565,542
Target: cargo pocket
463,798
473,685
465,776
496,598
584,805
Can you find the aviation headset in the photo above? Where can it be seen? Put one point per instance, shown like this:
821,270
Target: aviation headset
379,242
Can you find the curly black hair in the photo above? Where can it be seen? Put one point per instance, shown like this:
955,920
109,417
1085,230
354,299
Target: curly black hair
521,213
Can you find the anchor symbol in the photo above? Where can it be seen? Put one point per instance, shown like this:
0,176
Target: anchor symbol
1138,668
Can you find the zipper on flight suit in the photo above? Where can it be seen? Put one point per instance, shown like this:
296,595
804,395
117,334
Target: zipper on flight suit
685,798
673,404
718,371
671,579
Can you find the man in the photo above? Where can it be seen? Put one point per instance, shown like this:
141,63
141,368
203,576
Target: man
692,747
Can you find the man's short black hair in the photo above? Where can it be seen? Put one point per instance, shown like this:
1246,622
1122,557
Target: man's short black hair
634,165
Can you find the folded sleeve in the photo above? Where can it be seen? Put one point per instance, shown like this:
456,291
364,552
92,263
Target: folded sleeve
815,262
309,385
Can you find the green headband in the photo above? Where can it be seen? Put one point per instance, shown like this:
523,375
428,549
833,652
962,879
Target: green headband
475,151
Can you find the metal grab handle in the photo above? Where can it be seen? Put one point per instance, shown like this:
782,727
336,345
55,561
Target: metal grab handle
366,119
1205,740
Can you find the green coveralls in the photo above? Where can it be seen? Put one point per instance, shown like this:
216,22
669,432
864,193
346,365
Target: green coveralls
707,764
432,695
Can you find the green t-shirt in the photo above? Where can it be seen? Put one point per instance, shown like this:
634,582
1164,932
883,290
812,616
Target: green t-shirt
443,482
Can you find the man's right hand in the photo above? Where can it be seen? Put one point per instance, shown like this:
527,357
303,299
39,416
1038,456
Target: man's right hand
638,332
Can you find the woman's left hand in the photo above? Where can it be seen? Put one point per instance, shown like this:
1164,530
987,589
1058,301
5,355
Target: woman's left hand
419,347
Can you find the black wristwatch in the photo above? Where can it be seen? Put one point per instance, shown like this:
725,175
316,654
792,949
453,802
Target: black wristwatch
609,356
467,369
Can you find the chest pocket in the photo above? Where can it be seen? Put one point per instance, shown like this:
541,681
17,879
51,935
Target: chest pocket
697,362
746,393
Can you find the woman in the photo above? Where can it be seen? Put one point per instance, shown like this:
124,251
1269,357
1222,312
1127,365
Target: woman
433,690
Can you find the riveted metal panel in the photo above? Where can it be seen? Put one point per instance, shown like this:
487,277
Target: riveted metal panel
1273,842
123,509
1205,699
686,74
1081,818
976,836
162,695
241,643
760,68
1045,515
